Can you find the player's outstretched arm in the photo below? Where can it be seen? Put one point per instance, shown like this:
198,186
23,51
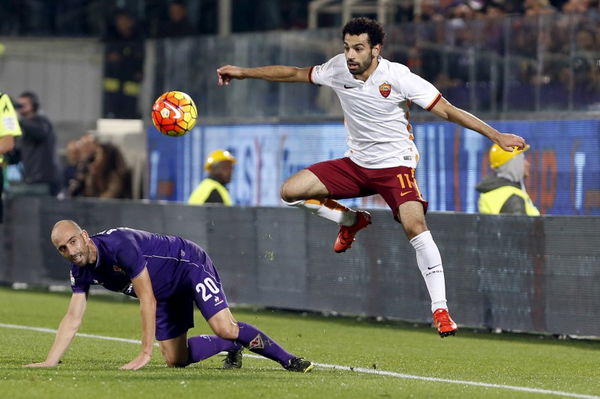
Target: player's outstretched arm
143,289
274,73
66,331
451,113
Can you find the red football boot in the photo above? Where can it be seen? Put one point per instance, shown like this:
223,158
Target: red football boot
444,323
346,235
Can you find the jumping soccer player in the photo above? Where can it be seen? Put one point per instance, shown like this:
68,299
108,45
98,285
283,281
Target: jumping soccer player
375,95
167,274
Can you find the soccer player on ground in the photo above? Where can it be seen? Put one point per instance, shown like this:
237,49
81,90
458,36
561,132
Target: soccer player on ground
375,95
168,274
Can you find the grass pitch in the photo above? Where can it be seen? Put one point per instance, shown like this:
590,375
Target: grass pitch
90,368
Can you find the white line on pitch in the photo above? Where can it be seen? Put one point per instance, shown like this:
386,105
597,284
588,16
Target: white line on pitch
347,368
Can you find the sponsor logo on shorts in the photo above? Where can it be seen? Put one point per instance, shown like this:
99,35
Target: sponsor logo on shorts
257,343
218,300
402,194
385,89
349,87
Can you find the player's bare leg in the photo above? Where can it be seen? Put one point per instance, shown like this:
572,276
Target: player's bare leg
303,185
429,260
305,190
175,351
225,326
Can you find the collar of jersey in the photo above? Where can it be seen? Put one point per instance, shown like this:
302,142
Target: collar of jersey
97,244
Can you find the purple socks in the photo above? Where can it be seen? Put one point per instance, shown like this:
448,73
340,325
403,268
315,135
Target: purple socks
259,342
204,346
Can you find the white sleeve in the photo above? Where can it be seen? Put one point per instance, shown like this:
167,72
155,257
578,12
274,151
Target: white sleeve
418,90
323,74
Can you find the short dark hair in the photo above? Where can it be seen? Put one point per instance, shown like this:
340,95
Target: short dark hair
360,25
35,101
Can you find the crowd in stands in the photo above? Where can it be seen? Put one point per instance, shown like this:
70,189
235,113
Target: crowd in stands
549,54
156,18
470,9
177,18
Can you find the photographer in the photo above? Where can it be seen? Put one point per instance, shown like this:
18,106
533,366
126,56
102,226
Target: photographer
37,148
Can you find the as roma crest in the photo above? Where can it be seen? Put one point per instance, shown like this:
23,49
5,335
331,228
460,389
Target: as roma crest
385,89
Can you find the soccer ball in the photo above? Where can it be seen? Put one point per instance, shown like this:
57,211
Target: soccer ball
174,113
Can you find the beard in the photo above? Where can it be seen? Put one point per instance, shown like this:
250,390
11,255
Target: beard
357,68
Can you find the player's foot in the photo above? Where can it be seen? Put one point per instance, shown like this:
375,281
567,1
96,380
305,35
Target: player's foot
346,235
233,360
300,365
444,323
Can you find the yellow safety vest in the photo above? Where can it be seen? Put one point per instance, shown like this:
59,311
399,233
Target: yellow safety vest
492,201
201,193
9,123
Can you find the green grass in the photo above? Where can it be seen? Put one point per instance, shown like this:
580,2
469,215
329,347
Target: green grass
90,367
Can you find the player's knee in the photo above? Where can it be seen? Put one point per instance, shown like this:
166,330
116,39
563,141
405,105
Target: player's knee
173,361
287,194
414,229
227,331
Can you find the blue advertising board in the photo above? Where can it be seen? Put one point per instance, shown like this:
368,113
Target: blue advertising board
564,180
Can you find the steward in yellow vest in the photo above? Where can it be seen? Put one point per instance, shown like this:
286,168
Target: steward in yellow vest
219,165
9,129
504,191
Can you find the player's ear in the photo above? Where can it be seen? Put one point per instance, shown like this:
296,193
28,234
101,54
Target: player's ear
376,50
85,234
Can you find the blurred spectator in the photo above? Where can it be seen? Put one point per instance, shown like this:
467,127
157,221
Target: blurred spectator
108,175
178,24
538,7
219,165
511,7
495,9
575,6
85,153
208,17
9,128
123,67
69,167
464,10
503,192
256,15
37,149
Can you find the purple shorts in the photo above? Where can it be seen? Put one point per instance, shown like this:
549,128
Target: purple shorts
345,179
200,284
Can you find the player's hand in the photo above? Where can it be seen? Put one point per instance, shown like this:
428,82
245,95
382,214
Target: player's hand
509,141
228,72
41,365
140,361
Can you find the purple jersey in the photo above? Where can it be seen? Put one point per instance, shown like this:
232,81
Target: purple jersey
122,255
